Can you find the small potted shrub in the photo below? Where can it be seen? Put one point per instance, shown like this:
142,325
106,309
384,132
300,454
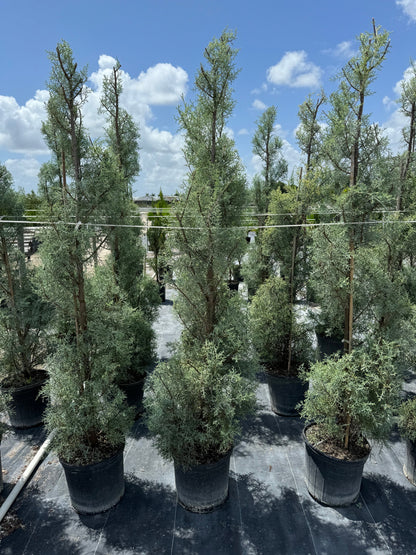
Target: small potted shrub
329,261
156,235
194,405
136,362
23,319
407,426
23,350
353,400
87,409
282,342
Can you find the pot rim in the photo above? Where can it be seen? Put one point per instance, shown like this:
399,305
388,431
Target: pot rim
283,376
331,457
204,465
91,465
24,387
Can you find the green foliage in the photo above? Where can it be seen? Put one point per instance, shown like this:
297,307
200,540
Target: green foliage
354,395
216,181
89,416
122,133
194,405
195,401
88,410
351,143
93,328
267,146
329,277
156,235
382,306
127,250
206,243
256,266
33,205
385,306
23,316
309,132
288,246
276,334
407,419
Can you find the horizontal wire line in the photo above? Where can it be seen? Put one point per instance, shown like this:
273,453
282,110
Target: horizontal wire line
320,224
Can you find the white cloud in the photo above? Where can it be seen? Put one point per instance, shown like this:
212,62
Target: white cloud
408,73
294,70
160,85
161,151
397,120
256,164
20,125
393,130
261,89
343,49
24,171
389,104
243,131
259,105
162,162
292,156
409,8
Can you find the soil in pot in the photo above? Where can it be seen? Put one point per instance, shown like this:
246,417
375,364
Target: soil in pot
95,488
204,487
331,480
27,406
286,392
409,467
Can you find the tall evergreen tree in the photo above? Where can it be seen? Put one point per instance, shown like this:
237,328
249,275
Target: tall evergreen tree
156,235
353,146
75,184
309,132
408,107
257,266
23,317
195,401
123,141
268,147
211,204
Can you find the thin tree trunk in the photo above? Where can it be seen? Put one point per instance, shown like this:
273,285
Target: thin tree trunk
349,309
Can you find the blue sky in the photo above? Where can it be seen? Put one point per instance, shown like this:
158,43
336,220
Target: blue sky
286,51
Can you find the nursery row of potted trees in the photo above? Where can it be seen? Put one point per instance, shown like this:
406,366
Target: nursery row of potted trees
93,325
359,275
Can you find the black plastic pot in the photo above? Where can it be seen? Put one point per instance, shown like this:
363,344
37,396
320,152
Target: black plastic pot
409,467
285,393
232,285
331,481
204,487
162,292
328,346
97,487
134,395
27,407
